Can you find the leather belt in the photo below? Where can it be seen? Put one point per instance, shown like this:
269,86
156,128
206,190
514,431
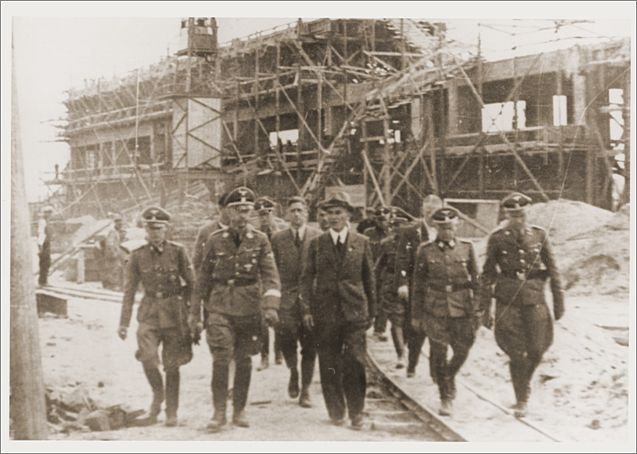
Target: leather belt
236,282
450,287
521,275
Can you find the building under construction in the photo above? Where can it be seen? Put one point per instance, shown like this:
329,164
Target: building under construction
389,109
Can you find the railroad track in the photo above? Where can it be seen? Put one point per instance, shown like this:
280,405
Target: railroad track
501,420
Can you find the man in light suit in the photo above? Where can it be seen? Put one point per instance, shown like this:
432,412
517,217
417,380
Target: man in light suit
290,249
339,302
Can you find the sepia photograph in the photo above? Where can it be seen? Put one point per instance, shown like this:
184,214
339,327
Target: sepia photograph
362,226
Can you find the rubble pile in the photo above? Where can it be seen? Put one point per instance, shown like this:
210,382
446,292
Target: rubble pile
71,409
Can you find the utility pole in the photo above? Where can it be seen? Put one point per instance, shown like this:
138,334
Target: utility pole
27,407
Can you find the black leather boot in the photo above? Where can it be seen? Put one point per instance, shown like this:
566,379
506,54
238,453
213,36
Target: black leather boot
219,397
157,385
172,397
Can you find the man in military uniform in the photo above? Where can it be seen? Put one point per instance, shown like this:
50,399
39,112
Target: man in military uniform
376,234
443,303
239,284
409,238
339,299
165,272
519,260
392,307
268,224
220,222
114,255
290,248
44,245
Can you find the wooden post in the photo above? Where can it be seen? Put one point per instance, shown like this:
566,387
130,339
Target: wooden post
626,114
386,173
27,405
81,266
256,102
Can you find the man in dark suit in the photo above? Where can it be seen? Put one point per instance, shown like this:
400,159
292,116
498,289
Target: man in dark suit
290,249
268,224
409,238
339,302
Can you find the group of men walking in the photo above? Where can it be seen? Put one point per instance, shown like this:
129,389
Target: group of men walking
318,289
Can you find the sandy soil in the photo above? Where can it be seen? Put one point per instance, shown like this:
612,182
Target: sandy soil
84,350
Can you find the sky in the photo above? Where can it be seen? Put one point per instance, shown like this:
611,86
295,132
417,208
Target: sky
57,51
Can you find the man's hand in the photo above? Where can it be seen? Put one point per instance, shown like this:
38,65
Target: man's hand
122,332
196,327
403,292
308,322
271,317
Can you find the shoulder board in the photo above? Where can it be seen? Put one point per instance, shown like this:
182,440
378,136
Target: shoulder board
427,243
174,243
465,241
537,227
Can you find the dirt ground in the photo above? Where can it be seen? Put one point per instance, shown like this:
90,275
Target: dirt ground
84,350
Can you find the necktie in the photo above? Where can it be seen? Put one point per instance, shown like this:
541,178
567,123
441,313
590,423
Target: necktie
297,239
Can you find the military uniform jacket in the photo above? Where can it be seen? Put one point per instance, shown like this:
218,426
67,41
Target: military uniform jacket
161,273
289,260
375,235
335,289
444,280
385,266
518,264
202,236
409,238
230,278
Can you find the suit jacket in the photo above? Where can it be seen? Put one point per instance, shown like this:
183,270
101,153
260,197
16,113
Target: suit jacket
289,260
335,289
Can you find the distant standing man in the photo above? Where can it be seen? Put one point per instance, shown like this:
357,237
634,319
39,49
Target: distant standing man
164,270
114,256
444,303
290,249
239,284
392,307
220,222
410,238
44,245
339,301
519,260
264,206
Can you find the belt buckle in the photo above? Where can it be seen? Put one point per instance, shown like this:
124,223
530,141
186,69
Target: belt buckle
520,275
159,294
230,282
448,288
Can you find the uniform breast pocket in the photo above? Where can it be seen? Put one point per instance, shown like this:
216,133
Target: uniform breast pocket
249,261
460,268
436,267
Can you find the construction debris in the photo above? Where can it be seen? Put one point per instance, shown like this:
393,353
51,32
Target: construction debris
74,410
